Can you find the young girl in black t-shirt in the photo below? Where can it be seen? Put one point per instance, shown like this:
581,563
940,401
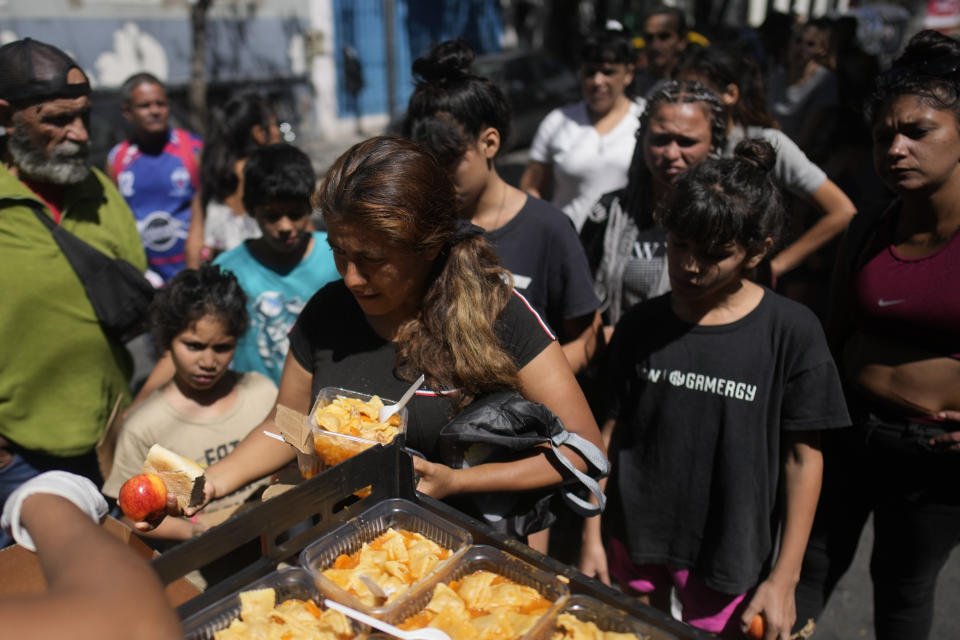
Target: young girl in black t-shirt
720,389
465,121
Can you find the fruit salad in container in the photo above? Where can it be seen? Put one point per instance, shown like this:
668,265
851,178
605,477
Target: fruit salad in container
343,423
394,561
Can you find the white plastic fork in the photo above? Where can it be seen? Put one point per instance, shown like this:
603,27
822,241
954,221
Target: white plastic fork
389,410
427,633
378,593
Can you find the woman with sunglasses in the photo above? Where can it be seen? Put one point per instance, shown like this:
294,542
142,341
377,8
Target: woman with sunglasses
583,150
896,331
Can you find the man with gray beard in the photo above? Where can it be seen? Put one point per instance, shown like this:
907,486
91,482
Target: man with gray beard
60,374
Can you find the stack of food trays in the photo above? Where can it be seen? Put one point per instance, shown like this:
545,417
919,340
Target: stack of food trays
333,439
422,599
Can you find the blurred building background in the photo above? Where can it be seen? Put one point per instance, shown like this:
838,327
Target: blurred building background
333,68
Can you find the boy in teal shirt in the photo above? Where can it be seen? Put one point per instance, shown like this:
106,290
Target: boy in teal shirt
283,268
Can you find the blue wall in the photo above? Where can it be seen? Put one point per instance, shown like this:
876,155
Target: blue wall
418,25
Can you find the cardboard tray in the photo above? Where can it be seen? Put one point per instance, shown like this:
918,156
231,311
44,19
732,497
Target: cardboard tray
350,536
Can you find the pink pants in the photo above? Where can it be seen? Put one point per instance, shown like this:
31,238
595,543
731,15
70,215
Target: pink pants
703,607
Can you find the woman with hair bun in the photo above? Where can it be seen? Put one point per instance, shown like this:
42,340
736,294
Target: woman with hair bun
719,391
737,81
421,293
896,329
583,151
464,120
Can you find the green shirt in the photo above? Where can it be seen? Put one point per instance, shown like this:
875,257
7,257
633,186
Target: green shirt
59,373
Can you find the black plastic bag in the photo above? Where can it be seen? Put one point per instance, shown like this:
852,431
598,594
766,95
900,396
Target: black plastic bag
500,426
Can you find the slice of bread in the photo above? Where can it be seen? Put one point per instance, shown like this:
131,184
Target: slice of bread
184,477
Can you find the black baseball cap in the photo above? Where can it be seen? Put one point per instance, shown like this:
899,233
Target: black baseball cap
33,71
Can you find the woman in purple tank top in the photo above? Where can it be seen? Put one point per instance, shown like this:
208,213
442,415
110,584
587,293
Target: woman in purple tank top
898,341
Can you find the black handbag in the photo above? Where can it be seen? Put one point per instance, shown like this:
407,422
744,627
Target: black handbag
499,426
119,293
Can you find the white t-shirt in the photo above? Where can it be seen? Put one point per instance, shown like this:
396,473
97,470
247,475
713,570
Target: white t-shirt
223,230
585,164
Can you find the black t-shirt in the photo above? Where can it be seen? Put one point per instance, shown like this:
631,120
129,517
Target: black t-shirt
696,453
541,249
332,340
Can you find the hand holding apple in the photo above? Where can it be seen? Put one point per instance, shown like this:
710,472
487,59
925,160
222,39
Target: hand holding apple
143,497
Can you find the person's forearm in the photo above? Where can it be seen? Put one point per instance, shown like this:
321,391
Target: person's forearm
533,472
97,587
825,229
580,350
837,210
533,179
161,374
256,456
193,246
169,529
803,472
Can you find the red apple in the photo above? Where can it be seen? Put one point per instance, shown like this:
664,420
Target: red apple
143,497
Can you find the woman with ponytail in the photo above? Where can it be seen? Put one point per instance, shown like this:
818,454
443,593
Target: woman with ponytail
422,293
464,120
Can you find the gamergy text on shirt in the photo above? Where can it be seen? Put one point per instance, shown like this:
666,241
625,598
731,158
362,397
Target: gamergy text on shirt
699,382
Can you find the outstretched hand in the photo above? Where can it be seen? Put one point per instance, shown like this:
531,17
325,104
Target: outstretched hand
949,441
593,561
174,510
436,480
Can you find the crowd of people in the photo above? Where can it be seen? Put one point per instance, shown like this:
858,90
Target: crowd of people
655,280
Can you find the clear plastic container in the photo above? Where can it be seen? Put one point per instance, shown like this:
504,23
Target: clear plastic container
606,618
338,446
288,583
483,557
351,535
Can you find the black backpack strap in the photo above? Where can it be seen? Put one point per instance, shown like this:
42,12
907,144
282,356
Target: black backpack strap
85,259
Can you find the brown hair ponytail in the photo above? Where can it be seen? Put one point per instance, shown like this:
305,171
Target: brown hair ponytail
399,193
